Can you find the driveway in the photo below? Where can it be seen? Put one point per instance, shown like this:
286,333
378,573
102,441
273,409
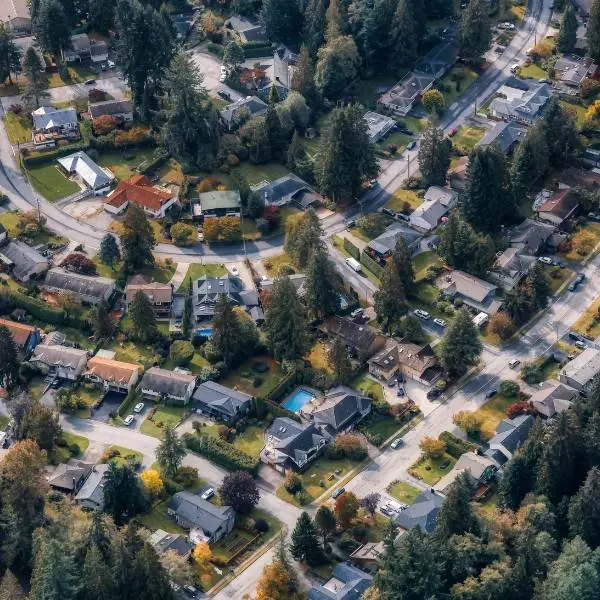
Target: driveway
109,405
210,67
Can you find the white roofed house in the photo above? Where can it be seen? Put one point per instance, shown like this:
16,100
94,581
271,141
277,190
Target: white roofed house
579,372
63,362
437,203
170,386
97,179
51,124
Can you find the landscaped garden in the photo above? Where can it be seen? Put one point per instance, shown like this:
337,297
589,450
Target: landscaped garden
256,383
403,491
430,469
160,416
467,138
120,456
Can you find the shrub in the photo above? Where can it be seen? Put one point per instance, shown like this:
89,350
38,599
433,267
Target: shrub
303,498
79,263
224,432
502,325
455,447
468,421
432,448
183,234
292,483
223,229
257,381
360,531
104,124
74,449
509,389
261,526
181,353
222,453
347,445
96,95
520,408
186,476
532,373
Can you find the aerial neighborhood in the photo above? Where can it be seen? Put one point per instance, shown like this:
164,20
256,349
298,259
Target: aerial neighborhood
299,300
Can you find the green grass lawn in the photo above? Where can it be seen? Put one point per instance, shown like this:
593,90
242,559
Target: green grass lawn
18,128
589,322
403,491
467,138
196,270
196,365
415,124
364,384
323,470
243,377
534,71
274,263
366,90
318,357
402,197
425,297
125,456
383,425
4,420
422,262
50,182
251,440
558,276
577,109
62,454
80,440
10,221
378,527
123,164
158,518
164,415
431,470
491,413
467,77
398,139
255,174
135,352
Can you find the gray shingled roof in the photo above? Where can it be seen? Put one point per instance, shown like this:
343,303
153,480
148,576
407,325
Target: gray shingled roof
221,398
166,383
292,439
63,356
424,512
386,242
83,285
512,433
346,583
23,257
341,406
201,513
93,488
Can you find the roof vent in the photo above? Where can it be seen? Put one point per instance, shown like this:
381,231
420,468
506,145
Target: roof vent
360,328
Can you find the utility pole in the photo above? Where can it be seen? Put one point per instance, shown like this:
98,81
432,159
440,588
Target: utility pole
408,165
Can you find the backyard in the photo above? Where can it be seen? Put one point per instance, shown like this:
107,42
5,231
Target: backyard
367,386
255,174
491,413
123,164
456,82
421,263
244,378
467,138
163,415
274,263
431,469
403,492
49,181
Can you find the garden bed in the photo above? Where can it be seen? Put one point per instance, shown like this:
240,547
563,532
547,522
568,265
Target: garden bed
431,470
162,415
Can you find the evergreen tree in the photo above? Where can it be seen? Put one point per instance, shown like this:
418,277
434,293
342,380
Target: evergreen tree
340,363
406,35
516,482
142,317
337,66
434,156
151,574
101,15
567,35
322,297
281,556
560,131
303,238
539,286
233,55
285,321
99,537
234,334
305,546
402,261
439,9
584,510
593,31
123,496
487,202
102,324
346,157
190,131
475,29
325,521
52,28
374,19
530,162
282,20
97,576
518,306
461,345
10,56
9,362
137,240
456,515
10,588
35,89
275,134
303,77
170,452
109,250
390,300
314,30
296,154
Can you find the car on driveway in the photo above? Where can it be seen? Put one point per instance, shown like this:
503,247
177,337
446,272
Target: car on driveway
422,314
223,94
234,271
400,392
207,494
581,345
572,286
139,407
412,145
580,278
515,362
129,419
434,393
90,82
389,212
545,260
440,322
396,443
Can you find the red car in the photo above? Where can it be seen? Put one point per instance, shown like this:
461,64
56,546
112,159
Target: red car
452,132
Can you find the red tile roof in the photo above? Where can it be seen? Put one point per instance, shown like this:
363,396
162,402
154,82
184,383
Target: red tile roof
561,204
139,190
20,332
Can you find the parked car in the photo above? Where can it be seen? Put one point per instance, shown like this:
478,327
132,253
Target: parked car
581,345
412,145
111,64
209,493
452,132
90,82
400,378
400,392
389,212
515,362
561,264
515,68
491,393
422,314
440,322
129,419
572,286
223,94
574,336
545,260
139,407
397,443
434,393
338,492
580,278
594,216
403,217
234,271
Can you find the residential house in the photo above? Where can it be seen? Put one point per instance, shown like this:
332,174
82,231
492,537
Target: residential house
424,513
171,386
480,471
153,199
218,204
63,362
121,110
439,60
164,542
83,49
22,261
183,24
360,340
191,512
207,290
530,237
289,189
378,125
579,372
474,292
15,15
51,124
417,362
572,70
25,337
249,31
221,402
369,556
84,170
346,583
342,409
68,478
383,245
291,445
520,100
457,175
87,288
437,202
505,135
298,281
559,208
113,375
400,99
552,398
3,234
510,268
160,296
510,436
239,111
91,495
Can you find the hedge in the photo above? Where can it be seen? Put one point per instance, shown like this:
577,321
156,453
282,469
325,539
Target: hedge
371,264
351,249
455,447
127,405
215,49
259,52
52,155
222,453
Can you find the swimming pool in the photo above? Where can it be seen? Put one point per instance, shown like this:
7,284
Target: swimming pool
298,399
205,331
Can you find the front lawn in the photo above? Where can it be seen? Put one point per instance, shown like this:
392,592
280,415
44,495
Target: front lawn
367,386
398,139
244,378
255,174
431,470
534,71
491,413
251,440
467,138
338,244
366,90
589,322
402,199
196,270
121,456
421,263
49,181
274,263
455,82
403,492
591,234
383,426
163,415
558,276
71,446
18,128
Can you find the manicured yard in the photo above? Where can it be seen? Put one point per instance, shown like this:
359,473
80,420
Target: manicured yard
61,454
125,456
402,197
491,413
403,491
158,518
243,378
10,221
381,425
415,124
421,262
366,90
75,74
196,270
489,508
558,276
255,174
196,365
318,357
226,548
451,88
589,322
251,440
367,386
3,422
467,137
323,471
80,440
425,297
90,395
50,182
135,352
274,263
163,415
18,128
431,470
398,139
534,71
123,164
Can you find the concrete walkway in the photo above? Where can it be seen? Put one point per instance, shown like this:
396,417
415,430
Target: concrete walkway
179,275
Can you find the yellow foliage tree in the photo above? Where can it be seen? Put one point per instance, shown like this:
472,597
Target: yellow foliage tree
202,555
152,482
584,242
274,583
432,448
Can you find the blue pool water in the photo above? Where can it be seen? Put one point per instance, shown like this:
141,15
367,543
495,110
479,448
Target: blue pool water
298,399
205,331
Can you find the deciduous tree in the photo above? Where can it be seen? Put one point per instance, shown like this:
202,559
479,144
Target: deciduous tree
432,447
468,421
239,491
433,102
370,502
152,482
346,509
233,55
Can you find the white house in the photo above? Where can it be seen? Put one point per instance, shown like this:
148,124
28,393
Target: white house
80,165
437,203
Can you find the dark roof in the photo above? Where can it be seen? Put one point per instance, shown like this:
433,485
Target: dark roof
386,242
284,188
23,257
93,488
110,107
255,34
83,285
193,509
503,135
342,405
166,383
511,433
424,512
292,439
163,542
346,583
531,235
67,477
207,290
254,105
361,337
221,398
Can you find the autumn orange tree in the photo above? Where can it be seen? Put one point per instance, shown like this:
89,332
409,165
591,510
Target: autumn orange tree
152,482
432,448
274,583
346,509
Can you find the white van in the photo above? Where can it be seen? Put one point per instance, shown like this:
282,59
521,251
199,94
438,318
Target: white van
354,264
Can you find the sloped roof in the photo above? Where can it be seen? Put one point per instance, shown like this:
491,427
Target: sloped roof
415,357
254,105
110,107
166,383
48,117
111,370
346,583
83,285
93,175
58,356
221,398
93,488
584,367
552,397
511,433
283,188
19,332
68,476
23,257
424,512
359,336
511,261
202,513
531,234
465,285
157,292
288,438
220,200
139,190
163,542
474,464
340,407
503,135
561,204
386,242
